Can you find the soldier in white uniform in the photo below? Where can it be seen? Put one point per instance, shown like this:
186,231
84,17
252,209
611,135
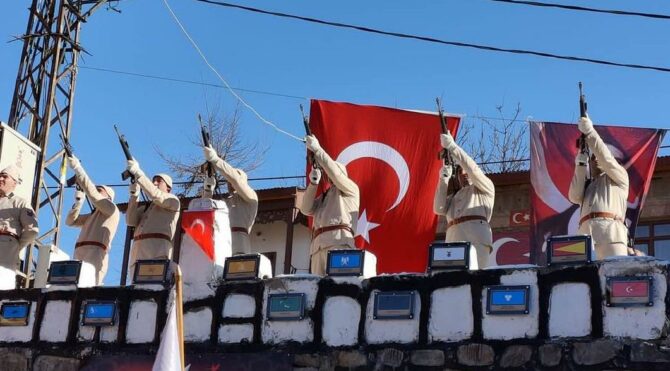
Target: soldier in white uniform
242,203
97,228
468,210
155,224
335,212
18,224
603,200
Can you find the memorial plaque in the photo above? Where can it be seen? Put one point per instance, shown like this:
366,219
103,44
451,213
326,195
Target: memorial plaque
286,307
507,299
151,272
345,262
241,267
569,249
64,272
394,305
15,313
98,313
630,291
449,255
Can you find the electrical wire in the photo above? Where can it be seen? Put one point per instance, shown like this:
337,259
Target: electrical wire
440,41
172,79
586,9
204,58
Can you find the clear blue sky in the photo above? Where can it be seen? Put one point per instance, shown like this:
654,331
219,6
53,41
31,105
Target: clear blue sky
290,57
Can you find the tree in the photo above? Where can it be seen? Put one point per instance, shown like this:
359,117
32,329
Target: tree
500,144
226,138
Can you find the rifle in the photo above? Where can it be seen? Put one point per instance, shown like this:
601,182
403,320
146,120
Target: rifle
126,150
207,143
72,181
581,142
444,154
308,131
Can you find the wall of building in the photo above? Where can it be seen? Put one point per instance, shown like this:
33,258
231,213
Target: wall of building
271,237
568,325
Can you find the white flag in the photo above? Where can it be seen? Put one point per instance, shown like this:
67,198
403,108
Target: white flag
168,357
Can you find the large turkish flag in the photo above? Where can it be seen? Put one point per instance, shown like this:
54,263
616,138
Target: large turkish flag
552,164
392,155
199,225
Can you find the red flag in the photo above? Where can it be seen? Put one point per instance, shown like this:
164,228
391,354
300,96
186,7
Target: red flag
199,226
391,154
511,247
552,164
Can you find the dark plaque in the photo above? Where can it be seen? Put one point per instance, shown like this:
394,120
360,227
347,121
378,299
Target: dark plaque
507,299
15,313
394,305
286,307
345,262
64,272
569,249
151,272
98,313
449,255
630,291
241,267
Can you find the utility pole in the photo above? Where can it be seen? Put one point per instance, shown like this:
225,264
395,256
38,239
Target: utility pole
44,97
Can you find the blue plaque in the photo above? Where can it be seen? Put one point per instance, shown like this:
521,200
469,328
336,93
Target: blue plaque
394,305
507,299
64,272
449,255
15,313
98,313
153,271
345,262
286,307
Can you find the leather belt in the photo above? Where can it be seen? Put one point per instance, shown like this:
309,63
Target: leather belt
239,229
90,243
466,219
329,228
10,234
599,214
152,235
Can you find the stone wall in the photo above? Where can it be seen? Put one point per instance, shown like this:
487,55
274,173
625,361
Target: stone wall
569,325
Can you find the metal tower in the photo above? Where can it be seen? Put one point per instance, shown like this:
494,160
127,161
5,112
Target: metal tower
44,96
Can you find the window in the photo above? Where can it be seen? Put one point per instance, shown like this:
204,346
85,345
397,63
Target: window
654,239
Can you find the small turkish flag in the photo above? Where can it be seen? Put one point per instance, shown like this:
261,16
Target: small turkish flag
630,289
392,155
199,226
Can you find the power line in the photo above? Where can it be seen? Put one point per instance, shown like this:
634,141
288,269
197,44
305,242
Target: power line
586,9
440,41
171,79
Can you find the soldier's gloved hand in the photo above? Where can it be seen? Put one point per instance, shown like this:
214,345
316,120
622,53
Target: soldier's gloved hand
447,171
582,159
134,189
134,168
585,125
79,196
312,143
210,154
315,175
447,141
73,162
210,183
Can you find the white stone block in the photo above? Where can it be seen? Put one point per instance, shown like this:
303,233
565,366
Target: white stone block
108,334
635,322
570,310
7,278
198,325
505,327
451,316
275,332
239,306
55,321
379,331
232,334
141,325
24,334
197,291
341,316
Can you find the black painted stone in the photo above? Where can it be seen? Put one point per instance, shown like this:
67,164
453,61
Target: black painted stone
550,354
427,357
516,356
596,352
351,359
53,363
13,361
648,352
475,355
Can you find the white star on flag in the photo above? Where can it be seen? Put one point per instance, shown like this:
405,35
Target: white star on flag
364,226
